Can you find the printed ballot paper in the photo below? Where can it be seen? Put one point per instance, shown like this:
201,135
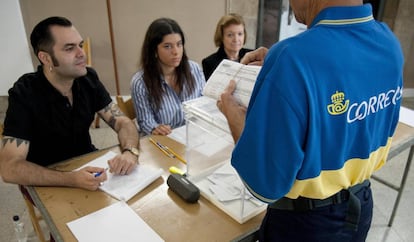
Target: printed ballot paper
126,186
117,222
205,107
244,75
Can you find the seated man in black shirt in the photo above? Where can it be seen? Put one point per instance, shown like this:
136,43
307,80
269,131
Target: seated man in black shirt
50,112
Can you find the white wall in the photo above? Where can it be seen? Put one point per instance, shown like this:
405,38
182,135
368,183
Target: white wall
15,52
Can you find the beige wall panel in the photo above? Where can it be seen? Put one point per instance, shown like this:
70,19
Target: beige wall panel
404,29
89,17
131,19
198,19
249,10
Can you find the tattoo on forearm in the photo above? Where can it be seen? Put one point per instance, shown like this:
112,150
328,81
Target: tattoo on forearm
112,122
114,109
115,112
10,140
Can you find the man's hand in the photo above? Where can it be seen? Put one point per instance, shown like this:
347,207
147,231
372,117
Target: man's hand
234,112
255,57
88,178
123,164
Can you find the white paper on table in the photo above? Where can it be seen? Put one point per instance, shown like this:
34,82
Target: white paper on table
117,222
407,116
226,185
124,187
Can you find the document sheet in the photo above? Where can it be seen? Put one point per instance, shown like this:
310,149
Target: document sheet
205,107
126,186
117,222
244,75
407,116
222,186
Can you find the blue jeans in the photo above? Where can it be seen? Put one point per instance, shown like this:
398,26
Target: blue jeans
320,224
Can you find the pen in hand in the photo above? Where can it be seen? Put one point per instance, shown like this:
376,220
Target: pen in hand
100,173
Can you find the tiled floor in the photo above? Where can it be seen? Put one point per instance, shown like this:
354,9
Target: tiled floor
402,230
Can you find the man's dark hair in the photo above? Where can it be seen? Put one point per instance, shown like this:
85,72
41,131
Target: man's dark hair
41,37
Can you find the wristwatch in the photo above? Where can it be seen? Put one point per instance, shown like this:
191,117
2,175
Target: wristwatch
131,149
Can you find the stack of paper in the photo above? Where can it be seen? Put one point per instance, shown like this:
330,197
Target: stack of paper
223,187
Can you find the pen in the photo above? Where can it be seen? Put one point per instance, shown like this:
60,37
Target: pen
176,155
100,173
161,147
167,151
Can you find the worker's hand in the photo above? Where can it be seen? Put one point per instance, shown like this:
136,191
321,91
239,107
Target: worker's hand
255,57
233,110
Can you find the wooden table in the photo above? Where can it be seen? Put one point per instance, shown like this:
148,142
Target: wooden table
171,217
163,210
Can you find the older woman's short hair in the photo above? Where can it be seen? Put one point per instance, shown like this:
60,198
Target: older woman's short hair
224,22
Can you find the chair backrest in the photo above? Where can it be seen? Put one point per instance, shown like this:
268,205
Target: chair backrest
87,49
127,107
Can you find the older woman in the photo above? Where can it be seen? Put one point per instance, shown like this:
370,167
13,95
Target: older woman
230,37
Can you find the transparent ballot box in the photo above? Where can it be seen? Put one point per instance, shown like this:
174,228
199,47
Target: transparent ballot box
208,151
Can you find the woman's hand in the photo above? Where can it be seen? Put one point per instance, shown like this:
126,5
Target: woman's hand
162,129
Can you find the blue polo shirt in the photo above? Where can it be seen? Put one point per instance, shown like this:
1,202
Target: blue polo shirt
324,108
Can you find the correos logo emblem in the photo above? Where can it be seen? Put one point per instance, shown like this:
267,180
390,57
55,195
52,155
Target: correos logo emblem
359,111
338,105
